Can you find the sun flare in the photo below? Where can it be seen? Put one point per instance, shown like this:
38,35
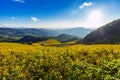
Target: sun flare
95,15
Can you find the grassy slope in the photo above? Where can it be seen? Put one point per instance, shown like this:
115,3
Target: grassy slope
47,43
51,41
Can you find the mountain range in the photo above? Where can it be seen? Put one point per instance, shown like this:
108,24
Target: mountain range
21,32
79,31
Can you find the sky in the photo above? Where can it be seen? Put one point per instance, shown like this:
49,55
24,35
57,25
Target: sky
55,14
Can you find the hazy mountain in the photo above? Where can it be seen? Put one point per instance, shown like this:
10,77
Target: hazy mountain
109,33
20,32
79,31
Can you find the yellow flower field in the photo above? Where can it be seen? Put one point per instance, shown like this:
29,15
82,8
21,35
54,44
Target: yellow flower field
78,62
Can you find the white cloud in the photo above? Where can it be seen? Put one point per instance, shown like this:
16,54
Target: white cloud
34,19
85,4
20,1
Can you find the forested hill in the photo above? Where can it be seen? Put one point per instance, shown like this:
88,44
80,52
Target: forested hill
109,33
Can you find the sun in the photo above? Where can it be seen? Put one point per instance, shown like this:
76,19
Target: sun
95,15
94,18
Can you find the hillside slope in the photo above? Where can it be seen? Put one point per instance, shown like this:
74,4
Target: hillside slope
33,39
66,38
109,33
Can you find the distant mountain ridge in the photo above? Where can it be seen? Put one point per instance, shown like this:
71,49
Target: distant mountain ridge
79,31
21,32
109,33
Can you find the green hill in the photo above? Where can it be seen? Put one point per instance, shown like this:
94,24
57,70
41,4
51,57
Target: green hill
33,39
66,38
50,42
109,33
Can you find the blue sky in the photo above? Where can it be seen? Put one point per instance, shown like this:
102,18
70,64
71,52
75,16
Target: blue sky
58,13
